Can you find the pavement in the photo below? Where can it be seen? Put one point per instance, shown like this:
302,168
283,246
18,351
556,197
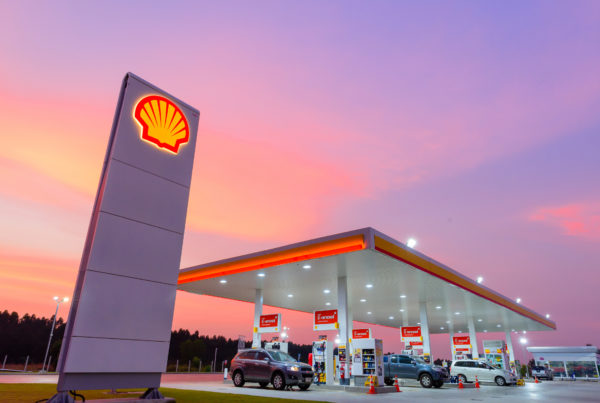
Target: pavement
556,391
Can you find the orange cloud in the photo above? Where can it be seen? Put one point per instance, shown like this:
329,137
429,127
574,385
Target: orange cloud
576,219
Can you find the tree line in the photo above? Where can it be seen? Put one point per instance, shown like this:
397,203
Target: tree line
28,336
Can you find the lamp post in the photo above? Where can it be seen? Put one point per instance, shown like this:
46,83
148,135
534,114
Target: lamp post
58,301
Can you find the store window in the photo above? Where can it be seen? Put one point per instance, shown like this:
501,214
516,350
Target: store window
581,369
558,368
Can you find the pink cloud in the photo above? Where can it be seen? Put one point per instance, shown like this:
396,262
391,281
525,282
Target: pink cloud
576,219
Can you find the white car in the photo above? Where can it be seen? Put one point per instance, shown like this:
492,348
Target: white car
466,370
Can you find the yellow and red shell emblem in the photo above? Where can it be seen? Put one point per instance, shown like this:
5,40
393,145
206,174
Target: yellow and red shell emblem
162,122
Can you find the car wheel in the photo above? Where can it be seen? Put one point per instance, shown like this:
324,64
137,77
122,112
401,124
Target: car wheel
426,381
500,381
438,384
263,384
462,378
388,381
278,381
238,379
304,386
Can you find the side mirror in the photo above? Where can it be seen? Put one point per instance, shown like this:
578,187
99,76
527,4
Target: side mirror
266,359
413,362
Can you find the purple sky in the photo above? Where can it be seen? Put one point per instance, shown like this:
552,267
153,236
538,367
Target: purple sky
472,126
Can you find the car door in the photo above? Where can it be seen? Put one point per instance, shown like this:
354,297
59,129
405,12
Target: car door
484,372
469,370
248,366
394,366
407,366
262,365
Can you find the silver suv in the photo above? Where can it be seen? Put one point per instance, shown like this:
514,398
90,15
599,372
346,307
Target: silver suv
542,372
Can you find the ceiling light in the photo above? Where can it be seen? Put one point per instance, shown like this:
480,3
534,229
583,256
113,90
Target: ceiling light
55,298
368,313
448,322
391,318
402,296
418,323
290,295
363,300
438,307
457,313
327,303
306,266
369,285
479,320
441,327
485,331
326,291
480,279
411,243
223,281
498,325
518,300
512,330
401,310
524,331
523,340
261,274
460,331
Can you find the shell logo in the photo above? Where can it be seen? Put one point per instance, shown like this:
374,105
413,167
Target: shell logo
162,123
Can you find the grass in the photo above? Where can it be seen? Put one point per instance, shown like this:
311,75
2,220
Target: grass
32,392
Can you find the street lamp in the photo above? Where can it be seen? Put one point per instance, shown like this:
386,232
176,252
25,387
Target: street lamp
58,301
411,243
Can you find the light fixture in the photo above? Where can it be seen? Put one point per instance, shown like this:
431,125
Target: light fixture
498,325
337,340
479,279
480,320
518,300
547,316
369,285
363,300
66,299
223,281
326,291
523,340
485,331
457,313
401,310
402,296
438,307
411,243
460,331
391,318
261,274
368,313
290,295
512,330
306,267
524,331
283,335
448,322
418,323
441,327
327,303
55,298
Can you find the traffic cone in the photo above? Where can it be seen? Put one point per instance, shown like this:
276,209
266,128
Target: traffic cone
372,387
536,380
460,384
396,384
476,382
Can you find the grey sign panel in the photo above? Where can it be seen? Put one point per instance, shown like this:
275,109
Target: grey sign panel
119,326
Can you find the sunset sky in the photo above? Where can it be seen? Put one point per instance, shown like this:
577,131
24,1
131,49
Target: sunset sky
472,126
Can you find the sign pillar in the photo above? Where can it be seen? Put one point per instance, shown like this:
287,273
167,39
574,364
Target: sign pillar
343,319
258,305
425,333
473,336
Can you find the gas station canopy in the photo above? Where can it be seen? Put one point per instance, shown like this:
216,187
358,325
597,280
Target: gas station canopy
387,282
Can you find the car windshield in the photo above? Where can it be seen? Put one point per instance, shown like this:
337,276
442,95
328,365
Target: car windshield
281,356
419,360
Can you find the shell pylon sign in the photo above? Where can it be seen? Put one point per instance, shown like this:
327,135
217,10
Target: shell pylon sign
162,122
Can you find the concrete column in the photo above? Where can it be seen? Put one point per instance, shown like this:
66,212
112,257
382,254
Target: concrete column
425,331
344,320
258,305
451,331
511,352
473,336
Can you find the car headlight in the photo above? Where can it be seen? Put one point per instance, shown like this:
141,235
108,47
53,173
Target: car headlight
294,368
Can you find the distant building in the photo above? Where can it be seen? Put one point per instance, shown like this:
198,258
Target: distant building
568,361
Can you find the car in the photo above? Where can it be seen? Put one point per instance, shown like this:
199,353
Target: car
269,366
467,370
408,367
542,372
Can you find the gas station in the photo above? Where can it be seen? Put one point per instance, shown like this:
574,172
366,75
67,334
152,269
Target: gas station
366,276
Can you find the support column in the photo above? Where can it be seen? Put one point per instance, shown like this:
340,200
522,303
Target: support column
258,306
425,332
451,331
473,337
343,320
511,352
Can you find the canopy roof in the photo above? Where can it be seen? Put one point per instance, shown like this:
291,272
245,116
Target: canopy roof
386,282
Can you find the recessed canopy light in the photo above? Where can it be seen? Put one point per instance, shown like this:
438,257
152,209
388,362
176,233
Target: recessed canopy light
524,331
306,266
457,313
498,325
290,295
480,279
460,331
368,313
512,330
223,281
485,331
402,296
418,323
391,318
369,285
327,303
326,291
363,300
448,322
261,274
518,300
438,307
479,320
441,327
401,310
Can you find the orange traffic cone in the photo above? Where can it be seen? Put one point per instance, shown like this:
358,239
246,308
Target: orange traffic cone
536,380
372,387
396,384
476,382
460,384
